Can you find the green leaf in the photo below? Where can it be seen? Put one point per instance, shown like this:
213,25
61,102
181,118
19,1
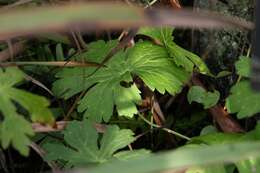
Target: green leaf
113,140
146,60
216,138
185,158
162,34
187,59
243,66
71,81
83,145
97,51
180,56
125,100
16,130
98,102
109,92
223,74
36,105
151,62
223,138
200,95
243,100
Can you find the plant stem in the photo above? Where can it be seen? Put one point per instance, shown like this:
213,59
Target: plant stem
165,129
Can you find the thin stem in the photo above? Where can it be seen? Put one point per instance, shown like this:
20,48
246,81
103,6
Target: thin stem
165,129
48,63
249,51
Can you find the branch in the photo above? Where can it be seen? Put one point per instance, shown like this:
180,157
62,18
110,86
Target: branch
17,48
61,125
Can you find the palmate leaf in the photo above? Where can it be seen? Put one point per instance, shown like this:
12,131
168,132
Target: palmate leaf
101,98
243,100
180,56
82,145
15,129
146,60
73,80
36,105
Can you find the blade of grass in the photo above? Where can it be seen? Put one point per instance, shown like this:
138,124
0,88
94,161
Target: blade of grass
184,158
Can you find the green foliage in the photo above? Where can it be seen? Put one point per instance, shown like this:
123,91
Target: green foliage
16,130
243,66
200,95
151,62
180,56
84,147
37,107
148,61
243,100
161,34
112,94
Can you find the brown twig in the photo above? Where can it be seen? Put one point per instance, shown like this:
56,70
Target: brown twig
175,4
88,19
61,125
17,48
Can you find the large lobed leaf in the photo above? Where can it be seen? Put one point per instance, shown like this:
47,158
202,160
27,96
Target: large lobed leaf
83,146
243,100
163,68
14,129
180,56
146,60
